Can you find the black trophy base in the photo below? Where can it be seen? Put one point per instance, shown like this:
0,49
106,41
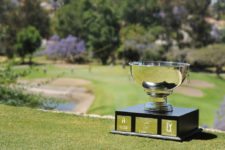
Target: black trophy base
177,125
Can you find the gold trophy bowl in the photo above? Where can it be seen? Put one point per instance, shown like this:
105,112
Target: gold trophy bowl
159,78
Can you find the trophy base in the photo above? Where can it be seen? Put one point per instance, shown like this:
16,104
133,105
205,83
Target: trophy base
155,136
178,125
158,107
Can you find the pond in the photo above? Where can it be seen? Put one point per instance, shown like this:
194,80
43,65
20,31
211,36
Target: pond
67,106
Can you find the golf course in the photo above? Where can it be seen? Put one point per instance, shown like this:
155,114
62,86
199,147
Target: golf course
108,88
113,88
102,75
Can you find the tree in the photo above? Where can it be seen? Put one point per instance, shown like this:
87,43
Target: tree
179,17
16,15
212,55
71,19
140,12
69,49
31,14
200,32
93,22
218,8
198,10
198,7
8,26
172,15
103,36
28,40
5,6
138,43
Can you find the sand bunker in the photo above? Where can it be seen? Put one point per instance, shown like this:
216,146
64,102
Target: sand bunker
69,82
199,84
189,91
193,88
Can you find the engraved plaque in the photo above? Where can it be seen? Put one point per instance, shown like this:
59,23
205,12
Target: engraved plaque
169,127
146,125
124,123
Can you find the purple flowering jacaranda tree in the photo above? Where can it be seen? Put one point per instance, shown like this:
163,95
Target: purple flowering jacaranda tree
64,49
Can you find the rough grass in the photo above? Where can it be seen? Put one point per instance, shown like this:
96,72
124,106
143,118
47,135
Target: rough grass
113,89
26,128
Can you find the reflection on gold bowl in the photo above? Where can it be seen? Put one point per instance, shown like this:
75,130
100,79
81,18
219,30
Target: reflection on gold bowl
158,78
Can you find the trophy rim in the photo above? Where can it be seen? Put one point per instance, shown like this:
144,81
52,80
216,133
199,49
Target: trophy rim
159,63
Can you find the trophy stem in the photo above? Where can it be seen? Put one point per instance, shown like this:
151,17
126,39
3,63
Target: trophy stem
159,105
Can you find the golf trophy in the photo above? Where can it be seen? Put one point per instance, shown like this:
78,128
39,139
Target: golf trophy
157,118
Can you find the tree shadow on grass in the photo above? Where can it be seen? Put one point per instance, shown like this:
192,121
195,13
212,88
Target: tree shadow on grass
205,70
31,64
202,136
101,108
221,77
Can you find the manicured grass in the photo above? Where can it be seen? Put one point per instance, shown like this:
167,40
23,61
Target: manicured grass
114,89
26,128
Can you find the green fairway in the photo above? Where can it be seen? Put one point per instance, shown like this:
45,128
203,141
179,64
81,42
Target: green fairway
26,128
113,89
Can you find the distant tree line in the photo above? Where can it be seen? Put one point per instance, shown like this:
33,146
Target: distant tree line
134,30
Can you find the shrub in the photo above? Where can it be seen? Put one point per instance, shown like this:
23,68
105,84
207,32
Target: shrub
212,55
7,75
13,95
16,97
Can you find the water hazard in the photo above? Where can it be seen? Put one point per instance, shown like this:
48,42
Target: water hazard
60,106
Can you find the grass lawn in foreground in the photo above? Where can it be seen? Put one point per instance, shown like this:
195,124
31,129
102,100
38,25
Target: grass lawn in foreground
113,88
26,128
